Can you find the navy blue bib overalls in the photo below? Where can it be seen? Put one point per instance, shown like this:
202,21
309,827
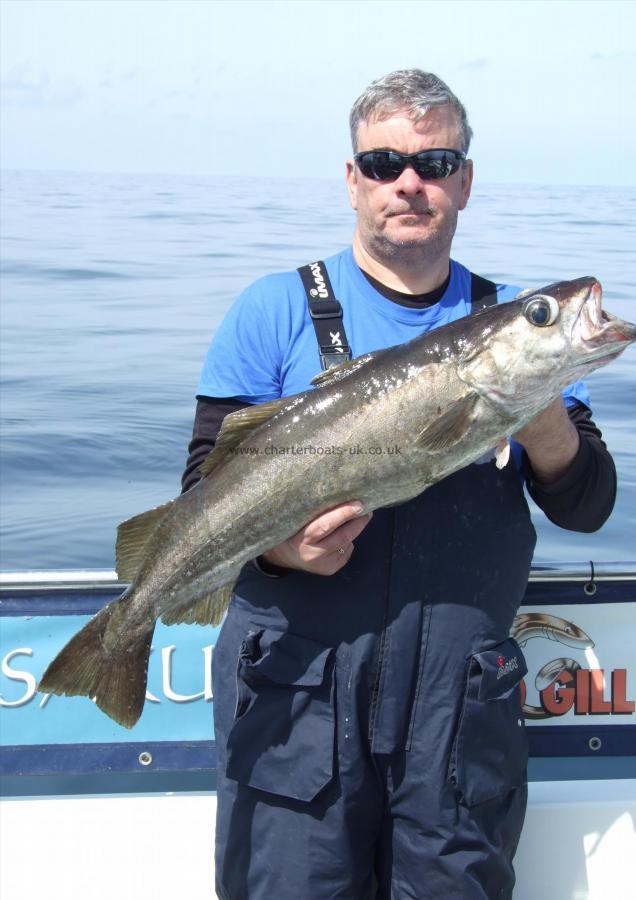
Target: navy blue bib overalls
369,726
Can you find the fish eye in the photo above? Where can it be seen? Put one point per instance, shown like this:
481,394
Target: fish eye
541,310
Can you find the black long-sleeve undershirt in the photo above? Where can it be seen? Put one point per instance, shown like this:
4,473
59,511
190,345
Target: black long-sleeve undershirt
581,500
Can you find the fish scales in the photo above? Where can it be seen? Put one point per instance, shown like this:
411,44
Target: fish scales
441,401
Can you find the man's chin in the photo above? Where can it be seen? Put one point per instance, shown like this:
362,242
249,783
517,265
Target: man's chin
411,237
419,234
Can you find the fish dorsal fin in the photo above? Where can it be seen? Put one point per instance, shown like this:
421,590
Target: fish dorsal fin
450,427
209,610
236,427
343,370
132,537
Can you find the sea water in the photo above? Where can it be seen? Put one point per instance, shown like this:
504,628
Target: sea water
112,286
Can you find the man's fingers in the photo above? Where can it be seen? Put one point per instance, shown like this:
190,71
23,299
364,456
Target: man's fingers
346,534
332,562
324,545
326,523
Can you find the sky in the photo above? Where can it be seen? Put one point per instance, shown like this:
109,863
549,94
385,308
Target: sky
265,87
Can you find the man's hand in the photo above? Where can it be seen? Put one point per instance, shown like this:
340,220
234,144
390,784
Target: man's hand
325,544
551,442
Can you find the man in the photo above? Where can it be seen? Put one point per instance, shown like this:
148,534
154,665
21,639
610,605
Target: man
368,743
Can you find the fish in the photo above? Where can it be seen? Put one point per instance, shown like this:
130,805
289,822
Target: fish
442,401
526,626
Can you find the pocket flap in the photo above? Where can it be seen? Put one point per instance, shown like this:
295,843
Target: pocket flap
502,668
282,740
282,658
490,752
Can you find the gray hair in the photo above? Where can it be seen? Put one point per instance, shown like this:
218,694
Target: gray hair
409,90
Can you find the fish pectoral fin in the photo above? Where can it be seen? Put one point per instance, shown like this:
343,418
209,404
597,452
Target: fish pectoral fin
342,370
502,453
236,427
209,610
450,427
132,537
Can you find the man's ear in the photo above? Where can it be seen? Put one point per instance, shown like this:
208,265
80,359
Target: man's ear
351,179
467,182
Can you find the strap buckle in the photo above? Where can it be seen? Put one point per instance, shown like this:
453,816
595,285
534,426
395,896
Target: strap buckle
325,309
332,356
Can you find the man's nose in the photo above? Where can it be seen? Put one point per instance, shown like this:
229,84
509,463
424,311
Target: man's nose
409,182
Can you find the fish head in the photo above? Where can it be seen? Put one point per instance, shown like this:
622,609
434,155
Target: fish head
522,354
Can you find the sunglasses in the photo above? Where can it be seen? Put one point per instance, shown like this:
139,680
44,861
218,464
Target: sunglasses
388,165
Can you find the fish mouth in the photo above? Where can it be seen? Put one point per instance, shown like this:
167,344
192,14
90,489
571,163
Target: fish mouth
597,332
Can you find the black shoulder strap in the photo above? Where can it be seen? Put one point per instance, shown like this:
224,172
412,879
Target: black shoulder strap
326,311
483,293
326,314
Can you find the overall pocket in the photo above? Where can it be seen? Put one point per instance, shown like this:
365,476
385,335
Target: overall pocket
282,740
490,753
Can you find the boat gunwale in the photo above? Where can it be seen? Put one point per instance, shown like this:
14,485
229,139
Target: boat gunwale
106,579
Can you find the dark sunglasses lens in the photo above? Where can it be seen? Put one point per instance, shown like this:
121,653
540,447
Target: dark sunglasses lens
436,164
386,165
381,165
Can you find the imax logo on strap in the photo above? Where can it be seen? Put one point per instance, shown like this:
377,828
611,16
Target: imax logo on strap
505,668
320,290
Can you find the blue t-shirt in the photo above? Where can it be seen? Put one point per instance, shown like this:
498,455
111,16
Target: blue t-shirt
266,346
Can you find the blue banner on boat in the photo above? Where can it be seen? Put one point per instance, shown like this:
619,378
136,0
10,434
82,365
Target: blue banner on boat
579,697
179,699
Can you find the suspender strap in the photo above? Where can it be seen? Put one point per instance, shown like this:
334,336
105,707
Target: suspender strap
326,314
326,311
483,293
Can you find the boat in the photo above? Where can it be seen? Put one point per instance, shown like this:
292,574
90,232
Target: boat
89,809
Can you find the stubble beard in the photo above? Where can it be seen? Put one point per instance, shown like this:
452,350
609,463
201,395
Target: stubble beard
416,253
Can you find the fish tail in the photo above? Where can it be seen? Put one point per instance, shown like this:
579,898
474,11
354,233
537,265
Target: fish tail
115,680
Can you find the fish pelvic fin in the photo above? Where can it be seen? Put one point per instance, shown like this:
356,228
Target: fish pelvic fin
116,681
209,610
132,538
448,429
236,427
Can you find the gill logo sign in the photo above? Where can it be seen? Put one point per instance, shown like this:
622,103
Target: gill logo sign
564,684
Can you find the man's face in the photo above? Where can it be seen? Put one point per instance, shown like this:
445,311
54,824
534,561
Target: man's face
398,218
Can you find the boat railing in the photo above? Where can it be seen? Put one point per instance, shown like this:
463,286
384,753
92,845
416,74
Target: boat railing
95,579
